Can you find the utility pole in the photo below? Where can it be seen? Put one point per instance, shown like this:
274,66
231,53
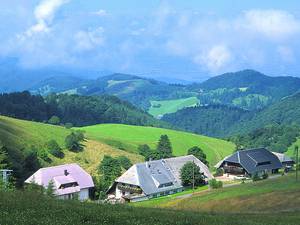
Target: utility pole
193,176
297,160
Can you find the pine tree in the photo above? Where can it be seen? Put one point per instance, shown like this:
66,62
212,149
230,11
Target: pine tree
198,153
164,147
145,151
50,189
3,156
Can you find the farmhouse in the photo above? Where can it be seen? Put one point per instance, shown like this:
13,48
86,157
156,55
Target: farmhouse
153,179
68,180
249,162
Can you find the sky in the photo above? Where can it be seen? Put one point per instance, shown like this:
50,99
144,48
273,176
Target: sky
186,40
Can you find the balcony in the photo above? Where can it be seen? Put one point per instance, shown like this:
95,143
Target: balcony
130,189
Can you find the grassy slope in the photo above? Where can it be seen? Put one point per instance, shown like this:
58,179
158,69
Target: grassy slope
280,194
30,208
129,137
171,106
291,150
22,134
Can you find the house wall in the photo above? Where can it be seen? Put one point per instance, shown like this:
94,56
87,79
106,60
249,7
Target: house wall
84,194
119,193
66,197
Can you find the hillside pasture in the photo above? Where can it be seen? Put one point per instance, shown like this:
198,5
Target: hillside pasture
126,137
22,134
160,108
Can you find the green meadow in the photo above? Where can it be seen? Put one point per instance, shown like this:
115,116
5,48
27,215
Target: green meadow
24,208
159,108
21,133
128,138
272,195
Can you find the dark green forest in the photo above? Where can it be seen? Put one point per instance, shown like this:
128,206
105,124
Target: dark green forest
274,137
275,127
74,109
211,120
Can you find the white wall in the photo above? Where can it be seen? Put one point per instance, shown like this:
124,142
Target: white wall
84,194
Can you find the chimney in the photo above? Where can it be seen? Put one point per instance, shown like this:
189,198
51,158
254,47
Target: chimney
66,173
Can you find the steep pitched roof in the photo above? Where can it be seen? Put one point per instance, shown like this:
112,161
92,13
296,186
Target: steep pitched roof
160,175
283,158
176,163
57,174
254,160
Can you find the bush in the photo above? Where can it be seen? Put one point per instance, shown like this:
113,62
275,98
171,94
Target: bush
214,184
219,172
68,125
124,162
265,176
43,154
255,177
72,141
54,120
54,149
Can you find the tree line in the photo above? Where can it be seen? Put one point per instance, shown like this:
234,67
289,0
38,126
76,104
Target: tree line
74,110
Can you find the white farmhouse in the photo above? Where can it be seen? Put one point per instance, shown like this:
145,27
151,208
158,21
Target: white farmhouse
153,179
68,180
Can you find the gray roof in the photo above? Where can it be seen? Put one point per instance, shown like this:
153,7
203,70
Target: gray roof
160,175
283,158
254,160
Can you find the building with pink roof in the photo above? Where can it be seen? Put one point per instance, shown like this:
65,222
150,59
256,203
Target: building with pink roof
68,180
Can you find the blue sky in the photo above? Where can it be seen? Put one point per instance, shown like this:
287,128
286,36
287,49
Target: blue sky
181,39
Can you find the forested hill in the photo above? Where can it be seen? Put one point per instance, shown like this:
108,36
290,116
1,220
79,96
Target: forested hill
276,127
74,109
137,90
224,121
253,80
284,112
211,120
246,89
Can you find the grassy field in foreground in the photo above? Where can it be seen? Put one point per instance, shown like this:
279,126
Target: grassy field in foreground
159,108
22,134
30,208
130,137
272,195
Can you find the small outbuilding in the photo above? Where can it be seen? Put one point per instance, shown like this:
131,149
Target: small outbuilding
249,162
68,181
286,161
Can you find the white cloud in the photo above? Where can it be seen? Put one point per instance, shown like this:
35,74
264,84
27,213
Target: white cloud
87,40
274,24
100,12
215,58
44,14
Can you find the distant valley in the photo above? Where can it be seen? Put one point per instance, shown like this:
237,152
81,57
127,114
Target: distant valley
224,106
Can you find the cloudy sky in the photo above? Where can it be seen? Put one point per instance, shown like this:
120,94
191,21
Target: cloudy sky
180,39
